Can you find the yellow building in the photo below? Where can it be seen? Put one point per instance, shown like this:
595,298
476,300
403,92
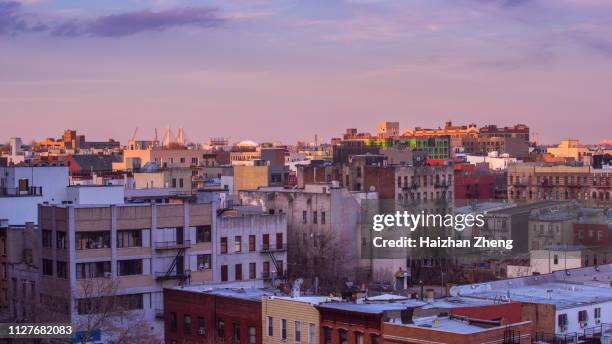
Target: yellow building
569,149
250,177
291,319
176,178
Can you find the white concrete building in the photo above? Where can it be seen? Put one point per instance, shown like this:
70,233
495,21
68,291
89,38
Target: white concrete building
250,247
134,250
22,188
496,162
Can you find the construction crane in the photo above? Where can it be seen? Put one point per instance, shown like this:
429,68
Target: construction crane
134,134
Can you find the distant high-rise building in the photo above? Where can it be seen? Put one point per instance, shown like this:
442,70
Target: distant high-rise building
388,129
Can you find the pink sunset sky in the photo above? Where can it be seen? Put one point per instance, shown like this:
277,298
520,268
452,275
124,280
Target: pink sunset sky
287,70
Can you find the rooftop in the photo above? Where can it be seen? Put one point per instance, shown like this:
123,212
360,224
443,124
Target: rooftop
450,324
564,289
313,300
372,307
523,208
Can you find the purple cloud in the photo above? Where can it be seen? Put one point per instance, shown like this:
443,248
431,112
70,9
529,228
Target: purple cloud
126,24
13,21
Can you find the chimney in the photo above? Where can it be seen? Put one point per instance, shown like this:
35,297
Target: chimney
429,295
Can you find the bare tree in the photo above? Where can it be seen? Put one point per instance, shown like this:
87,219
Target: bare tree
101,308
324,257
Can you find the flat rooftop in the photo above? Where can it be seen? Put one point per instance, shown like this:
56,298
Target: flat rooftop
372,307
313,300
447,324
565,288
524,208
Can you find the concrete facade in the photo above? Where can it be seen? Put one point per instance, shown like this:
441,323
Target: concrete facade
250,247
136,249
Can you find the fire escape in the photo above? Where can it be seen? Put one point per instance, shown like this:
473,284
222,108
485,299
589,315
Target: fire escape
270,252
176,270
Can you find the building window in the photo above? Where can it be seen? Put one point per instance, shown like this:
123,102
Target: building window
238,272
358,338
270,326
556,259
220,329
583,316
252,241
223,273
201,327
47,267
172,321
597,314
60,240
236,333
62,269
311,333
129,267
237,243
327,335
131,238
298,332
283,329
93,270
204,261
279,241
304,217
187,324
252,335
46,238
342,336
203,234
266,242
223,244
98,305
266,270
562,320
322,217
252,270
374,339
92,240
314,217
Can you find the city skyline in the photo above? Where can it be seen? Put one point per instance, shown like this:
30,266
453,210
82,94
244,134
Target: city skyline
287,70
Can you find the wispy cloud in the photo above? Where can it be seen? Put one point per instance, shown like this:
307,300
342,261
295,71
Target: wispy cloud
14,21
126,24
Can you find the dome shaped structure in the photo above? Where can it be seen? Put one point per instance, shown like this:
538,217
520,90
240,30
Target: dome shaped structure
247,144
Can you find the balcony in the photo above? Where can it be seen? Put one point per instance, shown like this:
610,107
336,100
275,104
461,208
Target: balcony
272,249
172,245
19,192
165,276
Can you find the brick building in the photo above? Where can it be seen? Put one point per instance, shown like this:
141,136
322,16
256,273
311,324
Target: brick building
202,314
474,182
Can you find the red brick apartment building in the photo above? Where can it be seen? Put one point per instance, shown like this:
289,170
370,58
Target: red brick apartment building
479,321
197,315
456,331
474,182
